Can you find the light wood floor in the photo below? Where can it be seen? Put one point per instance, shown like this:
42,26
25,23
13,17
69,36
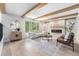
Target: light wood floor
37,47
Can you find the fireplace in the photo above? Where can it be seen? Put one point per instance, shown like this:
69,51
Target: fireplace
56,31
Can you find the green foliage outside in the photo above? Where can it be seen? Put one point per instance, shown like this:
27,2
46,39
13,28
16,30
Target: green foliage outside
31,26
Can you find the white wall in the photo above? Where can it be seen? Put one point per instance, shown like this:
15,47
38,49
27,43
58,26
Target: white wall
6,20
76,29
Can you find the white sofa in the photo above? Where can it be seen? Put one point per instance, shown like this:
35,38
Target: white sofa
34,35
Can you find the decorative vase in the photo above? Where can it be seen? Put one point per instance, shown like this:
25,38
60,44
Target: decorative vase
18,29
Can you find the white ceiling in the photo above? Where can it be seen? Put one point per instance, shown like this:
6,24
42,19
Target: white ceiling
60,14
19,8
50,7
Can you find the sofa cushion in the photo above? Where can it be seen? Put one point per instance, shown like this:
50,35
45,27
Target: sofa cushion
34,35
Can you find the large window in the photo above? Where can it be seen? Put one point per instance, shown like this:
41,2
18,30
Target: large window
31,26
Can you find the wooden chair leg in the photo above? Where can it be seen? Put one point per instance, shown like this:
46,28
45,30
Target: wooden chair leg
57,44
73,47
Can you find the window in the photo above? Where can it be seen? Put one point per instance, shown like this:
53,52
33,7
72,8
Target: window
31,26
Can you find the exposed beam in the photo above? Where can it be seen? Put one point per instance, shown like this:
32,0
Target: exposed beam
2,7
69,15
74,14
60,11
70,18
61,19
34,9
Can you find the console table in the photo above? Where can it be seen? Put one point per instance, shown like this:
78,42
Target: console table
15,35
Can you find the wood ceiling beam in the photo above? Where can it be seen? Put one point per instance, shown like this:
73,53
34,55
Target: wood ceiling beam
2,7
70,18
61,19
74,14
69,15
34,9
60,11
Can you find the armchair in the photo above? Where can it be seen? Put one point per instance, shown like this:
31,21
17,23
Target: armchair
69,42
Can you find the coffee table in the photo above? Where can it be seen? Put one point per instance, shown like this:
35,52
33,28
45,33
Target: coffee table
46,37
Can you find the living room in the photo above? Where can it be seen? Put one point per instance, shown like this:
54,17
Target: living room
33,29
